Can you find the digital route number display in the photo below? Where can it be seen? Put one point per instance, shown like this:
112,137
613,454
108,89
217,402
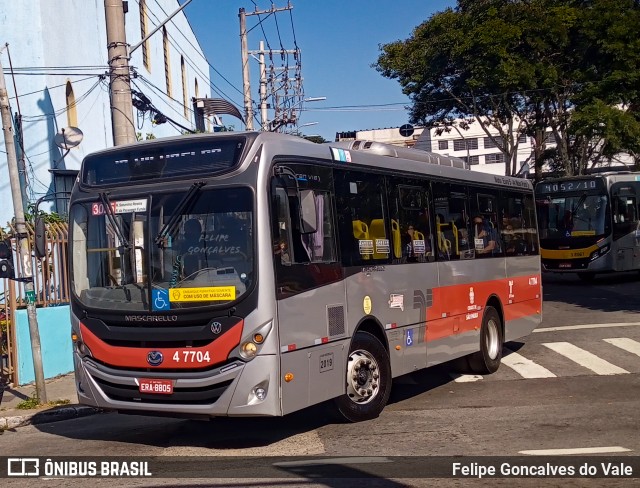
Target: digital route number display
569,186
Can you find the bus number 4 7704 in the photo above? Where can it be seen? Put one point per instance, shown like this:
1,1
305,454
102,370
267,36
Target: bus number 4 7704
191,357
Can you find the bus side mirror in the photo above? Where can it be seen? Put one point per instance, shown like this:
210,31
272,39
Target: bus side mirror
40,241
308,217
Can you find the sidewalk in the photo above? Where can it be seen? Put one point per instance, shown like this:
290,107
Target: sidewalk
61,393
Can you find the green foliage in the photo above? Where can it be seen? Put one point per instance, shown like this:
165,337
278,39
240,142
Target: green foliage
33,402
148,136
316,139
49,218
30,217
526,66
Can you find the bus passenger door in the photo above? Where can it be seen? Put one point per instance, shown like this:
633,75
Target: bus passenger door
309,288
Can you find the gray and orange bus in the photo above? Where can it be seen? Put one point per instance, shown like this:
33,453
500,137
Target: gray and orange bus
256,274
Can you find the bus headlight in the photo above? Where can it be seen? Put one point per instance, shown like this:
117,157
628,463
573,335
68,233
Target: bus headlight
258,393
83,349
599,252
251,344
248,350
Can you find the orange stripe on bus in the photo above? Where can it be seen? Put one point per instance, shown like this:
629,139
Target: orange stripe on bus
136,357
459,308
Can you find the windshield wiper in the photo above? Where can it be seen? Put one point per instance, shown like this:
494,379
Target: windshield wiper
160,239
112,220
575,208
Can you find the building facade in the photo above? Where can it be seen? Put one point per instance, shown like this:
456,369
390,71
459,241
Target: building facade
472,145
57,77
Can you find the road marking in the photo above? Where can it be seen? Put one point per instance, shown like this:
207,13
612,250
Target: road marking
628,345
585,358
466,378
577,450
525,367
588,326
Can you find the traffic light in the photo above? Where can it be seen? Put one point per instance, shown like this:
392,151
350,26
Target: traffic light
6,260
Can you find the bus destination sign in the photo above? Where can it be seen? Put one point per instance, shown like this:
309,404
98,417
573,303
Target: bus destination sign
569,185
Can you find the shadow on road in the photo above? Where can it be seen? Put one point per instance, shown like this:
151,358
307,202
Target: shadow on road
607,293
231,434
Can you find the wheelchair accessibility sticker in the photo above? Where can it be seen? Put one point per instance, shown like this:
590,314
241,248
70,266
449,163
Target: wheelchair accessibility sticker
409,338
160,300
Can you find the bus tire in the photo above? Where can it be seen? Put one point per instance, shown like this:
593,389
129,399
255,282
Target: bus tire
487,360
368,376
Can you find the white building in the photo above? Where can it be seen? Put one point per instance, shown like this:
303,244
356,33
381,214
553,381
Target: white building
59,65
471,145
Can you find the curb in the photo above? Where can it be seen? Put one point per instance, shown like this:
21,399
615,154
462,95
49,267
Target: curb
46,416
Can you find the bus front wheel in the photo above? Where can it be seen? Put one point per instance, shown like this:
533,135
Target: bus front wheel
368,379
487,360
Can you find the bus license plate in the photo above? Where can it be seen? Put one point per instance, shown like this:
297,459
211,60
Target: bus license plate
157,387
564,265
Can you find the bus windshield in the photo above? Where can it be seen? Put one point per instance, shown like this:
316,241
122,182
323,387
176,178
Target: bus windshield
162,252
575,215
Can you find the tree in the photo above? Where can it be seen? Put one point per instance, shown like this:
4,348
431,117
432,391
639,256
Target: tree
316,139
522,67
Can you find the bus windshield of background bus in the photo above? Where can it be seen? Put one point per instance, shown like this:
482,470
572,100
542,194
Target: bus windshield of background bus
576,215
205,258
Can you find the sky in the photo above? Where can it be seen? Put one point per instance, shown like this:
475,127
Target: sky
338,40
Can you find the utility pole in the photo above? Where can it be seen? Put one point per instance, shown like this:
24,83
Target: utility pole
246,85
24,252
120,83
264,122
246,88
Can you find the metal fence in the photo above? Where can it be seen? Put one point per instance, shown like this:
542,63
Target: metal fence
51,284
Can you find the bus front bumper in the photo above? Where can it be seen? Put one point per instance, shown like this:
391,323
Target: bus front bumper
229,390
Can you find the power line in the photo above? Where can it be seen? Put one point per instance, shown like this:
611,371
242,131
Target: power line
198,51
39,92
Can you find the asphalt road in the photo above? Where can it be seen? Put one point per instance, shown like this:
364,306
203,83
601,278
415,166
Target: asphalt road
565,386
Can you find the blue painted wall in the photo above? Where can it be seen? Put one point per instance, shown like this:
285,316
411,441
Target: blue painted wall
71,36
54,324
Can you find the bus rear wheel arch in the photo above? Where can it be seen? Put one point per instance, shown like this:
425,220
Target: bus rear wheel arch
368,379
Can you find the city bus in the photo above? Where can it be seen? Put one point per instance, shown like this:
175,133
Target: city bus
257,274
589,224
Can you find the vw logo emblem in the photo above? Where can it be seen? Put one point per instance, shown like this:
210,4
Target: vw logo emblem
216,327
155,358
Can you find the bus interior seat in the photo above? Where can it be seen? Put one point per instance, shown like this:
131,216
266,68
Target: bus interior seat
444,245
361,232
397,240
377,231
456,237
445,237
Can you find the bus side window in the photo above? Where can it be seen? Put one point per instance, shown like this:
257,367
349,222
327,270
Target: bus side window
364,228
625,215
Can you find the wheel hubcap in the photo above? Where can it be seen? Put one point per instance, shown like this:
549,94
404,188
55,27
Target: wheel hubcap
363,377
493,339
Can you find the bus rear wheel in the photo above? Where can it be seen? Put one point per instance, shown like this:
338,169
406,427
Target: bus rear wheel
488,359
368,379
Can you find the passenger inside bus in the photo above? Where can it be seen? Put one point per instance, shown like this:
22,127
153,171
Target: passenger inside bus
408,245
486,240
282,250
